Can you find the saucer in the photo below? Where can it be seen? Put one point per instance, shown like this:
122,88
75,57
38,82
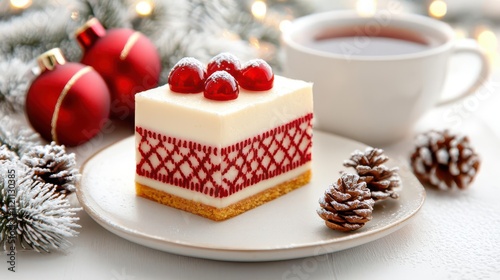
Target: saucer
285,228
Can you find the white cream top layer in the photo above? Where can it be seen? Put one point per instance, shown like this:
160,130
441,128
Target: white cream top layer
221,123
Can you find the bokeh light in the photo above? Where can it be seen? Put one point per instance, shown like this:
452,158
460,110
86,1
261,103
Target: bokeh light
144,8
366,7
487,40
438,9
20,4
259,9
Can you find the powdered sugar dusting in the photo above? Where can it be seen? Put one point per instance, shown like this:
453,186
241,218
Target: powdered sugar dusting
257,63
222,75
217,75
189,61
225,56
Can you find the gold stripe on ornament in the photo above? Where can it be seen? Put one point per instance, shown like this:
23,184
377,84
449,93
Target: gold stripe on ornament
128,46
64,92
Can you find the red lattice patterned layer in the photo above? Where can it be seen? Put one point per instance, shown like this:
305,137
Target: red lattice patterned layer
220,172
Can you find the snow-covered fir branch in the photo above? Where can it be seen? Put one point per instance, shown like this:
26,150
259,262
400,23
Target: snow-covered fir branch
15,137
41,218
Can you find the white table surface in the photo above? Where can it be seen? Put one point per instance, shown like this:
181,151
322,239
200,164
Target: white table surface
456,235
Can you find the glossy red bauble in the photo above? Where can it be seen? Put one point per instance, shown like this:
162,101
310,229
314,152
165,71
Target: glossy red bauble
126,59
187,76
221,86
68,102
256,75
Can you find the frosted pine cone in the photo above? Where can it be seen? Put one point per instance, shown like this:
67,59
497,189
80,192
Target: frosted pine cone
444,161
381,180
347,204
51,164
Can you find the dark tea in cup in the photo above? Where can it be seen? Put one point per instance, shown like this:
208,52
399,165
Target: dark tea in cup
374,76
354,40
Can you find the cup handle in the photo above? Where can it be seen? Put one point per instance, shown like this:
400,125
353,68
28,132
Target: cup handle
469,46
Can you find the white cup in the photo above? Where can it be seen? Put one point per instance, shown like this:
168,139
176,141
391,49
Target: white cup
374,98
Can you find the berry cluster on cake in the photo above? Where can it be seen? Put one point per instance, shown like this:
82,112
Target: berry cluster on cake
220,140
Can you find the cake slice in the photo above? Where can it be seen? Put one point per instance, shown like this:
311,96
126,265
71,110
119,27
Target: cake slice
218,159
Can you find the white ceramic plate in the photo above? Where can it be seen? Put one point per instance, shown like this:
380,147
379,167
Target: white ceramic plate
285,228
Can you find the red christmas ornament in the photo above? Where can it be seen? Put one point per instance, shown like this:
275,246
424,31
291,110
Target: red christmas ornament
126,59
68,102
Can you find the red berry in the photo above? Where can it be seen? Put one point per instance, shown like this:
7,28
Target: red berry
187,76
256,75
224,61
221,86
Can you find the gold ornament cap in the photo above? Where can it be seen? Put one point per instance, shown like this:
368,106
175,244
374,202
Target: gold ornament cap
50,59
89,33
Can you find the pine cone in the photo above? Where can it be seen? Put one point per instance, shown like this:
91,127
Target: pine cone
444,161
51,164
347,204
381,180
